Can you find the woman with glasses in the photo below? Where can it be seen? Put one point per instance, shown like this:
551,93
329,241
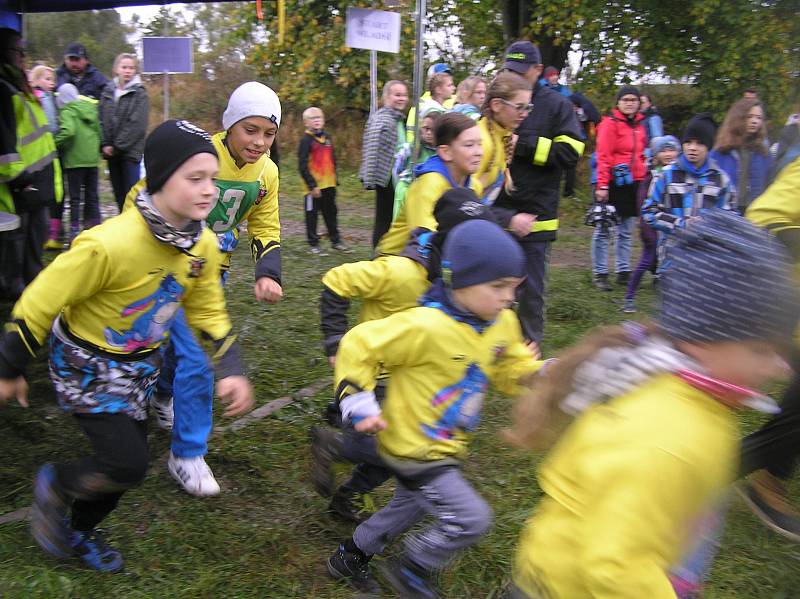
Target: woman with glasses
30,175
621,141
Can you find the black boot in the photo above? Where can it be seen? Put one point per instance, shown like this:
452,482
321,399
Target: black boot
351,566
326,444
623,277
343,505
601,282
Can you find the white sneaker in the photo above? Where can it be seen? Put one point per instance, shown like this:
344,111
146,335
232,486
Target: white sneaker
194,475
165,417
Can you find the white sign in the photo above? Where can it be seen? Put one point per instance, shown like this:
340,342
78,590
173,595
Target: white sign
373,29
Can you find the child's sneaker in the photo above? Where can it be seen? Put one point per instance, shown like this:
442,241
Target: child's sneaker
194,475
353,569
92,548
317,251
629,307
409,580
162,407
341,247
49,523
344,506
326,445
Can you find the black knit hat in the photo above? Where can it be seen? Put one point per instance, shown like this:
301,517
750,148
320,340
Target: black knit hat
702,128
454,207
626,90
170,145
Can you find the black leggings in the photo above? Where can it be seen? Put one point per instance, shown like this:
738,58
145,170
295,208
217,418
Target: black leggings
119,462
384,209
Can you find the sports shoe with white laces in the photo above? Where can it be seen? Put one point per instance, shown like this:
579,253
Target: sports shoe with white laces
194,475
162,407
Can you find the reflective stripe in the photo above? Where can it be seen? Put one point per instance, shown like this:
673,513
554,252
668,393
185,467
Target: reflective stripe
576,145
41,163
34,135
544,225
6,158
542,151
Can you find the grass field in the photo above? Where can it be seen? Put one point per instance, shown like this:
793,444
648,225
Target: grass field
268,534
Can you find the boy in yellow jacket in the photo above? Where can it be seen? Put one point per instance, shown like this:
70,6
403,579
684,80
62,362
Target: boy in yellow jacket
107,315
441,357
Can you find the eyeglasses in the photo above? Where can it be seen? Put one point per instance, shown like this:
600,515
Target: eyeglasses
520,108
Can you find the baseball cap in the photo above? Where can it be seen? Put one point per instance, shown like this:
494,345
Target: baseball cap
521,55
437,68
76,49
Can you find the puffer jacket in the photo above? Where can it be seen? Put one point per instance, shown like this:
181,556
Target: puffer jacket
620,141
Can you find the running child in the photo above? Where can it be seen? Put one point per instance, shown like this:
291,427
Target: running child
655,446
441,357
106,316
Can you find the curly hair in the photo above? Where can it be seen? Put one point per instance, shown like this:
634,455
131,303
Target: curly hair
733,134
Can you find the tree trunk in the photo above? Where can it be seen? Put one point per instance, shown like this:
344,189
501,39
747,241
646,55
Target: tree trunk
517,17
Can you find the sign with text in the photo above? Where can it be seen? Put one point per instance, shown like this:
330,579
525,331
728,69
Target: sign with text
167,55
373,29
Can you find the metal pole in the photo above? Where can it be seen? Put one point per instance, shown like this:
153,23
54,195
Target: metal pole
166,96
373,81
419,63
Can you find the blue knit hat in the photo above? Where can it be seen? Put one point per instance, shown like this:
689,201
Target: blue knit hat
657,144
728,280
479,251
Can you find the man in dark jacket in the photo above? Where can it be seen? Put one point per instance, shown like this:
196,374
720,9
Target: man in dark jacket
549,142
78,71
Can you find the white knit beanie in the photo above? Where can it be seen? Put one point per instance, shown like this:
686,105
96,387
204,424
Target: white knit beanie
252,99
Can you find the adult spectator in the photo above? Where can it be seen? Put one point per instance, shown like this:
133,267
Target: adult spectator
30,175
653,125
78,71
124,108
384,135
621,140
750,93
470,94
741,151
439,68
548,142
550,79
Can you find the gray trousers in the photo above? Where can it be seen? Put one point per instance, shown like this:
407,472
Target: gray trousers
462,517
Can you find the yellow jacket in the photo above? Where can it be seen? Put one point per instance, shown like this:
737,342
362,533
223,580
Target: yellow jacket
118,287
491,173
417,210
439,369
624,487
247,194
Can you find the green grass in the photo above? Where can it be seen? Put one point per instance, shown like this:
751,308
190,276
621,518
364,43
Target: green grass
268,533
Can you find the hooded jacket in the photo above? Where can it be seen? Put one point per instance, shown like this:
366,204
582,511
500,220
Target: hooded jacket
124,120
91,84
78,137
620,141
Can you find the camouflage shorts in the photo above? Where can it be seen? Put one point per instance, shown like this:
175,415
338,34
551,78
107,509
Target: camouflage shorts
89,383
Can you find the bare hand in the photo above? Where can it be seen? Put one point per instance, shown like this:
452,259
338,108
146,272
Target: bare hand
108,151
514,139
332,361
534,347
236,393
521,223
17,388
601,195
268,290
316,192
371,424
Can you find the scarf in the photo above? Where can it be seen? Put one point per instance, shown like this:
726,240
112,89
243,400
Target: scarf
182,239
439,297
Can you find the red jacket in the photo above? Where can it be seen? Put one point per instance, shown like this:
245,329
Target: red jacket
620,141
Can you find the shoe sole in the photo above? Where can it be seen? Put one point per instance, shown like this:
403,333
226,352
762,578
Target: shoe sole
763,517
51,536
176,475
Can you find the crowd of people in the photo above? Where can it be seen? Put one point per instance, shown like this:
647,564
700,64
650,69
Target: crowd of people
639,420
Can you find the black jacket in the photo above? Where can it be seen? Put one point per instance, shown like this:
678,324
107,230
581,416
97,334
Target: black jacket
91,84
123,122
549,142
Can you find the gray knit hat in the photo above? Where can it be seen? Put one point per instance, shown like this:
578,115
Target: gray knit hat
727,280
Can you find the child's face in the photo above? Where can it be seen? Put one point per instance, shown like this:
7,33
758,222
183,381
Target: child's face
446,89
668,156
478,96
397,97
250,138
749,364
755,118
487,300
426,131
464,153
695,152
126,69
45,81
190,193
510,113
314,120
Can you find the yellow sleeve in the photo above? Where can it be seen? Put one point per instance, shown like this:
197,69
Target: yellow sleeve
777,209
515,362
131,197
264,226
205,303
365,279
70,279
623,528
370,346
422,196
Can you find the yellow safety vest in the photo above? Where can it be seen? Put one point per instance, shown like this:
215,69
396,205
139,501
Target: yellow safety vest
36,149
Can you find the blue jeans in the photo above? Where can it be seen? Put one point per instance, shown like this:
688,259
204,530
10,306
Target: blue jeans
124,174
187,375
600,241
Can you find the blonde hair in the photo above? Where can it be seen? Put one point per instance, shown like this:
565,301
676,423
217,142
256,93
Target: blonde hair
307,112
389,85
467,87
504,86
537,416
438,80
123,56
39,70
